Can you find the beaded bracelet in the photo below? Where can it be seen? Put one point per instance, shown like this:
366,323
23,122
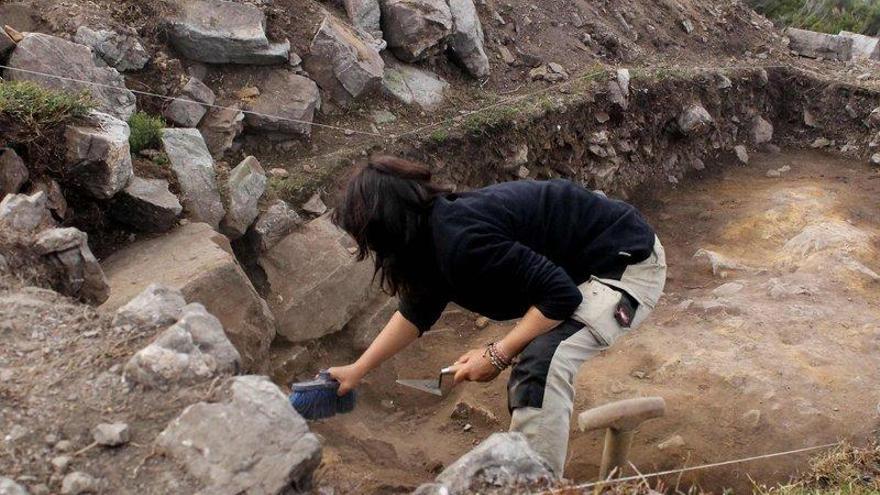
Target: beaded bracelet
496,357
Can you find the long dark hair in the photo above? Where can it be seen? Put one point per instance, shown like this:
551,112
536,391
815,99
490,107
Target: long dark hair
385,210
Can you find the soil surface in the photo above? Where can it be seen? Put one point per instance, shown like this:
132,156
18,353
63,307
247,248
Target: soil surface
782,357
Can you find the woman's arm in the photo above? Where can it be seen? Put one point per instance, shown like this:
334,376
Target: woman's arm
397,335
475,366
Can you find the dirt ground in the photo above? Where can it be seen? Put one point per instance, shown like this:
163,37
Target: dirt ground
785,359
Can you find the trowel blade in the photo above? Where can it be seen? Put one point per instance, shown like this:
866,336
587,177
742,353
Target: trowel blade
429,386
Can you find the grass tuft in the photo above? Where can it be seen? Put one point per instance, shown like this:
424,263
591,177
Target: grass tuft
32,110
829,16
146,131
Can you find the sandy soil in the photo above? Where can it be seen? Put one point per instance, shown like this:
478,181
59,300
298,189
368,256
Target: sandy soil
787,361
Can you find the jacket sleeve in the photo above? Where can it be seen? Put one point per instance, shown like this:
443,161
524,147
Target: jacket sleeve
494,260
424,310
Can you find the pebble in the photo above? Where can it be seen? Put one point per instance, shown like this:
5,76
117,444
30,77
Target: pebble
111,434
64,446
468,427
315,205
752,418
78,482
673,442
279,173
51,439
481,322
61,463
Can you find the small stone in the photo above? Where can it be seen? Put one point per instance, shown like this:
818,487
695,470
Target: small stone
78,482
111,434
273,225
728,289
506,55
523,172
247,93
602,117
687,26
762,131
245,186
315,205
468,427
279,173
381,117
694,120
875,159
773,173
121,51
64,446
61,463
481,322
674,442
191,105
641,375
16,433
752,419
741,154
821,142
8,486
50,439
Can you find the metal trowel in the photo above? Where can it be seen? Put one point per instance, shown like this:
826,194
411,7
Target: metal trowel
439,387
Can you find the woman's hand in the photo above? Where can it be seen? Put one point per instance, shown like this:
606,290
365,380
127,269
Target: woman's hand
349,377
474,367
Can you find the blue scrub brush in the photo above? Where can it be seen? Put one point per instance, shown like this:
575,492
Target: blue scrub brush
318,398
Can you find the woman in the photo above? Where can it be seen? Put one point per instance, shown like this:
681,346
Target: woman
577,268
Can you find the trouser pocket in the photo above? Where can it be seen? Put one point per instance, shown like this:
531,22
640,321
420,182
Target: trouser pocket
597,311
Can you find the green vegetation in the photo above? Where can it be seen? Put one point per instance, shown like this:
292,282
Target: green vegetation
440,135
146,131
30,111
830,16
846,470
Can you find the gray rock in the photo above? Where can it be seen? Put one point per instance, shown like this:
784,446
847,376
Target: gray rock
147,205
273,225
79,274
10,487
245,187
431,489
466,41
98,156
122,51
271,451
864,47
618,89
191,162
762,131
820,45
25,214
60,463
77,483
382,117
315,205
316,285
220,127
51,55
286,106
13,172
193,350
675,442
344,63
366,15
821,142
158,306
875,159
189,108
411,85
416,29
111,434
55,200
720,263
503,459
741,154
221,32
695,120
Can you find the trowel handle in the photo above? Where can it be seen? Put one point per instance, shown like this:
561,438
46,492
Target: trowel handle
447,371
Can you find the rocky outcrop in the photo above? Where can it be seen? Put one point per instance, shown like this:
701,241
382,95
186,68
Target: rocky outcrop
189,108
79,274
366,15
25,214
146,205
98,157
192,350
222,32
122,51
198,262
416,29
191,162
13,172
820,45
158,306
466,41
316,286
252,441
344,64
413,86
245,187
286,106
220,127
273,225
51,55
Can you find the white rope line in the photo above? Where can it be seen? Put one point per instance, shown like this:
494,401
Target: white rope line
687,469
172,98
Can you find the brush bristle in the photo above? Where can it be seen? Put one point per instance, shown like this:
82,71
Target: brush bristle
346,403
315,404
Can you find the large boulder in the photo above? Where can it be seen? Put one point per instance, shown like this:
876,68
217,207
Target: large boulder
193,165
193,350
864,47
25,214
273,225
413,86
146,205
41,53
416,29
366,15
220,127
13,172
198,262
315,284
820,45
221,32
79,274
344,64
98,157
286,106
122,51
252,441
466,42
190,106
245,187
502,460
